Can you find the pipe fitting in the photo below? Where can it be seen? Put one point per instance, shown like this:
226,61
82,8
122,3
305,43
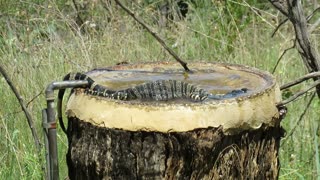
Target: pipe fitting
49,123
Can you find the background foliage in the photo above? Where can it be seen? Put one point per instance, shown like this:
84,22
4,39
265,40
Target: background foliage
41,41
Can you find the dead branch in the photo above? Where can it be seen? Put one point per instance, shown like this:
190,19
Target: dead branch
277,28
299,21
314,26
281,5
154,34
300,80
295,96
300,119
283,53
35,97
292,9
25,110
312,14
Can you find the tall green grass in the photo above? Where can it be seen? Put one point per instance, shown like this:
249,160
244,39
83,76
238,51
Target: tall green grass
40,43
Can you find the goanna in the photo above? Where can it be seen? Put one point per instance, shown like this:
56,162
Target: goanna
159,90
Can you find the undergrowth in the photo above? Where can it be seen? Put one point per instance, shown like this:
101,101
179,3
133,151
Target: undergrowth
40,41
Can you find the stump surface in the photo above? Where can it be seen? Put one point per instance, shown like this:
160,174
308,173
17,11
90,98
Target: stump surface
246,111
235,138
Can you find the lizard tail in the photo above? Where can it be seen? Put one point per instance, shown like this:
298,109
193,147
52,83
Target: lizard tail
59,104
70,76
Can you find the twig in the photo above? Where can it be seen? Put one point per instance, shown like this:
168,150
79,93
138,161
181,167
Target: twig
314,26
184,65
312,14
283,53
34,98
300,80
26,112
300,118
295,96
277,28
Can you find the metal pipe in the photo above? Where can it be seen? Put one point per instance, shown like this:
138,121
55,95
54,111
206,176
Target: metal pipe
50,125
46,143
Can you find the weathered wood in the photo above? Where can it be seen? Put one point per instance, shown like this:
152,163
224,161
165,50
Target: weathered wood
293,10
23,107
206,153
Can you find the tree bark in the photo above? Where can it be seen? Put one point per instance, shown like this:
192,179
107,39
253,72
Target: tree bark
294,11
207,153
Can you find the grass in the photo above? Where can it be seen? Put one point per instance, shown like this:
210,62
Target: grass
40,44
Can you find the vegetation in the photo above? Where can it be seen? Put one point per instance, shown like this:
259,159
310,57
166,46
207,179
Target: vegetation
41,41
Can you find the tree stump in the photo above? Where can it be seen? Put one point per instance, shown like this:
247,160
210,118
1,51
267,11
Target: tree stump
235,138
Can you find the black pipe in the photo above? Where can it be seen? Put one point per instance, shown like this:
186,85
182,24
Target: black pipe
49,124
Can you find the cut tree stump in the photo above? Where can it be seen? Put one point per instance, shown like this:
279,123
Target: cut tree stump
235,138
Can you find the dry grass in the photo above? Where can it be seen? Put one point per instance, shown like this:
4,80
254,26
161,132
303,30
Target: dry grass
40,44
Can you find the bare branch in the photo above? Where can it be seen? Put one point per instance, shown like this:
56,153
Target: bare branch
300,118
277,28
312,14
34,98
299,22
283,53
295,96
25,110
314,26
154,34
294,12
300,80
281,5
